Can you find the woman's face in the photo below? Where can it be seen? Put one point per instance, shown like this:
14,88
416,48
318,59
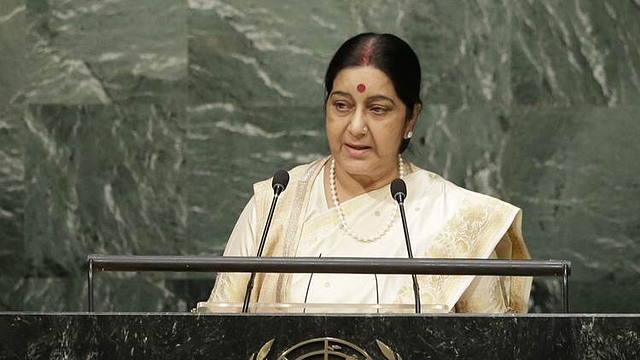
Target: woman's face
365,124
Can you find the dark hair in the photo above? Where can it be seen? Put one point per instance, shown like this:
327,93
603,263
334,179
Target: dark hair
388,53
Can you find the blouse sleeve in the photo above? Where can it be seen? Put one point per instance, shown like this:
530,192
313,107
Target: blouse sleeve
242,241
231,287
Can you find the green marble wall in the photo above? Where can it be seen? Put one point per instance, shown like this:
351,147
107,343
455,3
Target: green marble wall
137,127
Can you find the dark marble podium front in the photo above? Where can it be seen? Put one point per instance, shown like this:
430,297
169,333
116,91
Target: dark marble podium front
189,336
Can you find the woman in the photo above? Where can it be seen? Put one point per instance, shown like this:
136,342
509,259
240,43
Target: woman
341,205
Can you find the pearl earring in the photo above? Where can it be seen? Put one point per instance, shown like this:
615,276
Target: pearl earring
409,135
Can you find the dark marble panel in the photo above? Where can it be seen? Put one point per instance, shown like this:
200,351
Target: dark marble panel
255,52
153,292
102,179
12,68
571,171
100,52
177,336
576,52
13,50
148,292
465,146
230,148
12,192
464,49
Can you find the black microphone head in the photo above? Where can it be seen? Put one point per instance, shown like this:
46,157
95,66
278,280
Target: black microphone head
398,189
280,181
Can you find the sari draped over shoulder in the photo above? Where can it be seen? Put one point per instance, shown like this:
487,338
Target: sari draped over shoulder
444,220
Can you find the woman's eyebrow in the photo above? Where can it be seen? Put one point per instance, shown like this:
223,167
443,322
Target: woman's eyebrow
341,93
379,98
369,99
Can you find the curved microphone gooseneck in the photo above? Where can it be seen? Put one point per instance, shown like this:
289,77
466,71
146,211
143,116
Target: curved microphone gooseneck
279,183
399,193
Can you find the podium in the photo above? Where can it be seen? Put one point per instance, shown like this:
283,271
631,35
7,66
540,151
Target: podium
261,336
299,335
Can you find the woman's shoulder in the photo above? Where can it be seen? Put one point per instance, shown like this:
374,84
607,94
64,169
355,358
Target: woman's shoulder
302,172
426,181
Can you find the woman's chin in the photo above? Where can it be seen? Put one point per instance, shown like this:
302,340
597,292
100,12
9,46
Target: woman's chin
356,166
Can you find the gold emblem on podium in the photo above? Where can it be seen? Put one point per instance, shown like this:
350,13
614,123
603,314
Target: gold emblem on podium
325,348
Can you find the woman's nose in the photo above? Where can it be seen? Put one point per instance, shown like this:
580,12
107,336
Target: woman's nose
358,124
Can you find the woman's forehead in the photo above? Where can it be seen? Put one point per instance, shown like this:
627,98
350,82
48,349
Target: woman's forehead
363,79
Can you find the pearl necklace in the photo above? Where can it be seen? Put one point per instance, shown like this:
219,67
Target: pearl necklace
341,216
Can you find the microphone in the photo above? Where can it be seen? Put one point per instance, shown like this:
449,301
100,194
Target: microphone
279,183
399,193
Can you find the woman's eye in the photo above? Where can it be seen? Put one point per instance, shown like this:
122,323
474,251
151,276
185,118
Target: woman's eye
341,105
378,110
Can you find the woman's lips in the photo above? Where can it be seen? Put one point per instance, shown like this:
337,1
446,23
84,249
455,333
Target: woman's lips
357,150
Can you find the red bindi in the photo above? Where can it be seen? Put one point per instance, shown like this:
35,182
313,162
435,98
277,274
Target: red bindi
361,88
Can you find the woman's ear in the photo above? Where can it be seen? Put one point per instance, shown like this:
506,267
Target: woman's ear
408,128
417,108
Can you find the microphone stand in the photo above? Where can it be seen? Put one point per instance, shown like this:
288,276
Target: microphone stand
399,191
416,287
280,181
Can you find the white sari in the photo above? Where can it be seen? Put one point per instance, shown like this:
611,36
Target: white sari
445,221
